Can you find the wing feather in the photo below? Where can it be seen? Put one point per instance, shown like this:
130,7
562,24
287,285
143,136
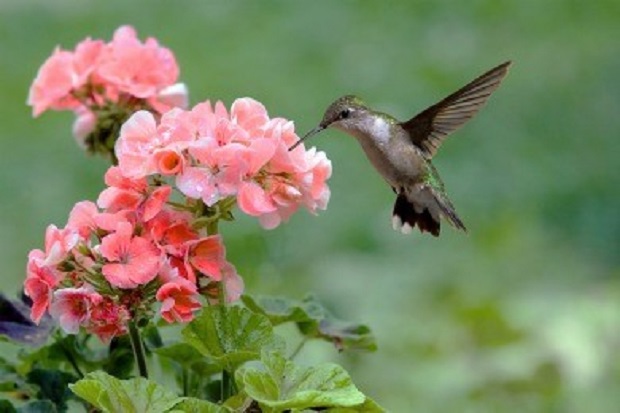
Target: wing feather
430,127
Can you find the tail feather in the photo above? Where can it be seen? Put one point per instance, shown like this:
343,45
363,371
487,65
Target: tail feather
405,217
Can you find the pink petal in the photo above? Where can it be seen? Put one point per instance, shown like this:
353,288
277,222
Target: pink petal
253,199
197,183
155,202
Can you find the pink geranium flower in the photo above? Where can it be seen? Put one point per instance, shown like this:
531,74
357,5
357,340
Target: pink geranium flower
171,231
140,69
108,320
179,300
233,283
132,195
53,84
207,255
58,244
215,154
39,284
82,218
71,307
132,260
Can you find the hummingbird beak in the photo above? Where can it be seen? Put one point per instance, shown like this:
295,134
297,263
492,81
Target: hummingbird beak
307,135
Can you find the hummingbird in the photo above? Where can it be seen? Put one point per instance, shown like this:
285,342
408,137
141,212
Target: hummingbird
402,152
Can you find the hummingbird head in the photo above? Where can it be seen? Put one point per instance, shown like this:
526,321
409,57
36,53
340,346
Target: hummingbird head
344,114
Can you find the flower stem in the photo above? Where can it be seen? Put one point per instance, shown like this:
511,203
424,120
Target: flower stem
212,227
226,385
138,349
226,389
69,357
301,345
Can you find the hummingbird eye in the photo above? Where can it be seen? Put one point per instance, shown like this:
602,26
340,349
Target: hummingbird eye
345,113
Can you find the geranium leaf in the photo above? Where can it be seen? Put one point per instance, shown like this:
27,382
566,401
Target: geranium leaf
7,407
284,385
313,321
280,310
182,353
231,335
346,335
38,406
138,395
52,385
369,406
192,405
120,361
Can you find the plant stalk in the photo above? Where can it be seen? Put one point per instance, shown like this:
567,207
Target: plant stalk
138,349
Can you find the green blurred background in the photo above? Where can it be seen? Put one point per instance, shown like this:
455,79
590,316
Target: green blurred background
520,314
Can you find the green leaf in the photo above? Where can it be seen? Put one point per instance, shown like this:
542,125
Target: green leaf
52,385
285,385
152,337
190,358
182,353
120,360
38,406
192,405
110,394
280,310
231,335
346,335
7,407
313,321
369,406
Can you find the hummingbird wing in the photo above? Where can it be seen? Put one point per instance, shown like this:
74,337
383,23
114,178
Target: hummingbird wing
429,128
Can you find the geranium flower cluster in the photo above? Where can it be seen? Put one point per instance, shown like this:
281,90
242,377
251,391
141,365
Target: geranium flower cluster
103,83
213,154
137,251
115,259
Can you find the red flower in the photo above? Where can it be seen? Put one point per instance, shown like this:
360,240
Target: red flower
179,300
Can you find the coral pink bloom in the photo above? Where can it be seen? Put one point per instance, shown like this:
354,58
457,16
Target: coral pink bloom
132,194
135,144
321,170
82,218
207,255
71,307
40,281
171,231
250,114
61,74
253,200
199,183
175,96
108,320
168,161
179,300
140,69
211,121
233,283
122,192
86,59
84,124
142,143
53,84
132,260
154,203
59,243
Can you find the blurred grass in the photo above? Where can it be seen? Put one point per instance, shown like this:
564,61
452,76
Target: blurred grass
523,313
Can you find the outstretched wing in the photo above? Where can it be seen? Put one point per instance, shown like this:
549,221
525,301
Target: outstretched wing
429,128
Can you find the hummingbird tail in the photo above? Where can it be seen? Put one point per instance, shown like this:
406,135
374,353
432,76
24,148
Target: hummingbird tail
405,216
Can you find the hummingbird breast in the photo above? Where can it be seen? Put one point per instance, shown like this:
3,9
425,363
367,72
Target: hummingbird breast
390,151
